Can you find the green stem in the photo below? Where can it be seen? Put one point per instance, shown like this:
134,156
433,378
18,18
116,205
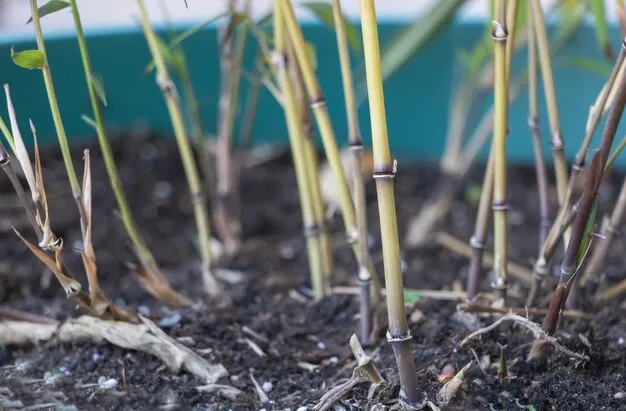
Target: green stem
144,253
500,37
54,107
191,171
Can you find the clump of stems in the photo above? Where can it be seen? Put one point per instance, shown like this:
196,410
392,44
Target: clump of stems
356,146
567,210
500,36
577,248
227,207
558,147
312,167
479,238
398,334
170,95
298,148
156,283
317,102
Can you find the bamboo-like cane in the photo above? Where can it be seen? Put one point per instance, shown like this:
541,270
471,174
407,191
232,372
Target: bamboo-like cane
558,147
298,148
170,95
478,239
312,167
384,172
540,164
533,124
356,146
227,211
500,37
144,253
603,245
320,111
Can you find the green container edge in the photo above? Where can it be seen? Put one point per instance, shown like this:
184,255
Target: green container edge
417,97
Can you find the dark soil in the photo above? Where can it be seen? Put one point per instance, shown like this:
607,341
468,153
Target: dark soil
306,343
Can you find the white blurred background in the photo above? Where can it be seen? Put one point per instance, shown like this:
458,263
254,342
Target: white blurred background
99,14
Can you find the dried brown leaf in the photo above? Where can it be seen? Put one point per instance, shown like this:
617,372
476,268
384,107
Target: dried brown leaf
452,387
71,286
20,148
157,285
49,242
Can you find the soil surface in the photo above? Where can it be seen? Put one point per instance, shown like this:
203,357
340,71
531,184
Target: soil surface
302,345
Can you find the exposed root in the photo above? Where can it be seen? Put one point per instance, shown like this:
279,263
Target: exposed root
535,329
146,337
477,308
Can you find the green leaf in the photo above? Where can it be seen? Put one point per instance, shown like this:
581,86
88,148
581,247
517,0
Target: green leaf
411,40
571,14
472,194
50,7
196,29
588,64
586,241
98,86
188,33
28,59
324,13
411,297
598,10
88,120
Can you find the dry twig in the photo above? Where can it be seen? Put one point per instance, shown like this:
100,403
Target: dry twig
538,333
146,337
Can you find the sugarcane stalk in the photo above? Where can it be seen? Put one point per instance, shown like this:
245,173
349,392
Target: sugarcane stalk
211,285
384,173
298,148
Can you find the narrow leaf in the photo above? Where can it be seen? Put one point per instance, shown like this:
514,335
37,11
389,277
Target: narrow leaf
50,7
324,13
588,64
598,9
98,86
20,151
28,59
89,120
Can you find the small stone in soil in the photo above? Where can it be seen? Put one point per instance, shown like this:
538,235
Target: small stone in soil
267,386
144,310
170,320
